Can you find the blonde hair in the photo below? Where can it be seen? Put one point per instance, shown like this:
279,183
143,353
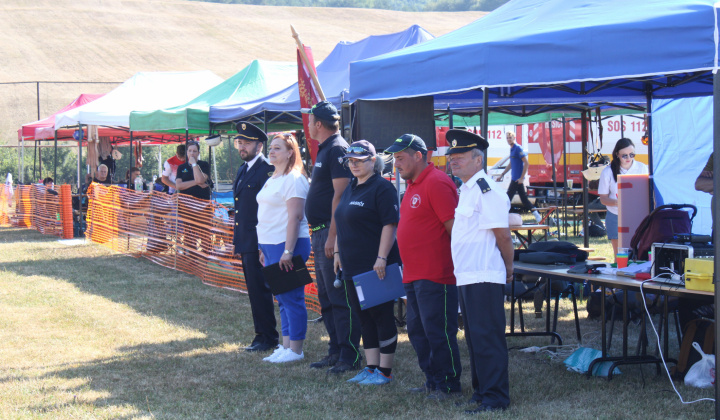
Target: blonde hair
295,161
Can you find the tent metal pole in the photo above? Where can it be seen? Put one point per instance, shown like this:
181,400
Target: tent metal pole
40,171
34,177
485,120
586,196
716,218
132,161
651,167
56,151
554,176
622,127
79,159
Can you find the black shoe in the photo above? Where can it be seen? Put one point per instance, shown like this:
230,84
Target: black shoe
439,395
463,403
259,347
343,367
483,408
421,390
327,361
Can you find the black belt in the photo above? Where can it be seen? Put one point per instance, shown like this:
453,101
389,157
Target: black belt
320,227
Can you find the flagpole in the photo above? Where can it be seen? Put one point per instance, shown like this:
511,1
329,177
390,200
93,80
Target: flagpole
306,62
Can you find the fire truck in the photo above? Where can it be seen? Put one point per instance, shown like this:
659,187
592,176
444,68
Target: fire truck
543,143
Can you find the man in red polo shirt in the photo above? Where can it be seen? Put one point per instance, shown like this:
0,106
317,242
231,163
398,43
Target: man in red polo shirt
427,213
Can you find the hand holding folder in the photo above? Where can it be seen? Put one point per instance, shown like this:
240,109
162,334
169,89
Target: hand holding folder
281,281
372,291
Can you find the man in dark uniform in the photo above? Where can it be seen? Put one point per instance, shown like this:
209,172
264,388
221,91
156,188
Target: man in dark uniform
329,178
482,253
249,180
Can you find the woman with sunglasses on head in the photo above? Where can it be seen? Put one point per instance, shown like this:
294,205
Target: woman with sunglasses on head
282,233
193,176
623,162
366,219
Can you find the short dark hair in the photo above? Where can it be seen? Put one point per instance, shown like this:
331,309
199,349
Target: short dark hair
180,150
47,180
330,125
193,143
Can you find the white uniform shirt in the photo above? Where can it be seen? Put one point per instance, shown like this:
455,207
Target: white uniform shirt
608,185
475,254
272,207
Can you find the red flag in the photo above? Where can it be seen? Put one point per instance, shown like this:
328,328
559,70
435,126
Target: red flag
308,96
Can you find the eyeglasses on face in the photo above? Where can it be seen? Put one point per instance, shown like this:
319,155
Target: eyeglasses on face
628,156
356,162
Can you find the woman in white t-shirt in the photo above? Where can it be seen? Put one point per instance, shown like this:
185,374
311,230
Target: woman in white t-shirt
623,162
283,232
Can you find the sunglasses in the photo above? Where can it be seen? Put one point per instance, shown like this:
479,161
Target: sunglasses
359,150
630,156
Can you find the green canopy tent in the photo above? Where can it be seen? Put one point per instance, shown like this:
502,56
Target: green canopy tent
258,79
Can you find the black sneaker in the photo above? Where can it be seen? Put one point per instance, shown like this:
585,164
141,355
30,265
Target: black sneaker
421,390
327,361
482,408
439,395
342,367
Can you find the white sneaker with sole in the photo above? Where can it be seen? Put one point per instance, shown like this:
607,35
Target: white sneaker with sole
278,351
538,218
289,356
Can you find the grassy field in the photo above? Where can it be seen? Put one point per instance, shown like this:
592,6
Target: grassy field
87,333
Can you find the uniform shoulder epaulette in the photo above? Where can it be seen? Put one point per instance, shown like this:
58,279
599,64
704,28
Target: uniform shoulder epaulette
483,184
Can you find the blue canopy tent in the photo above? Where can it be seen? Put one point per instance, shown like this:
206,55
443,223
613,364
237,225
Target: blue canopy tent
333,73
595,49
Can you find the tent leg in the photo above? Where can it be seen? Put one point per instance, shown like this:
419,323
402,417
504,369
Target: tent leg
586,197
485,120
716,216
34,177
651,166
554,177
56,153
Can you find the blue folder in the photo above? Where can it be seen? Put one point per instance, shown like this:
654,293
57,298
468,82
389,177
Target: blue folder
372,291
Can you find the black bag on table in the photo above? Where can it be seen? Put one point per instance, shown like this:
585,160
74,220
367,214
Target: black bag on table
553,252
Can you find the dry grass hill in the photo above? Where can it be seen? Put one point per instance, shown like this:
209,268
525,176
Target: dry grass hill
110,40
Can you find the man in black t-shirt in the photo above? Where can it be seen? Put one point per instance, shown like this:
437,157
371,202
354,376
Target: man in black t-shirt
330,177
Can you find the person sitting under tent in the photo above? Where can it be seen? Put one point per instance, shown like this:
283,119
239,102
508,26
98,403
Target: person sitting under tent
49,186
102,175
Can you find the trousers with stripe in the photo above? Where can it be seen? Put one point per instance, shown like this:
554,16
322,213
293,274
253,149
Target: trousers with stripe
432,324
341,319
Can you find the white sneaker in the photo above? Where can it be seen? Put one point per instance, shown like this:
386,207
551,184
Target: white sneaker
288,356
538,218
278,351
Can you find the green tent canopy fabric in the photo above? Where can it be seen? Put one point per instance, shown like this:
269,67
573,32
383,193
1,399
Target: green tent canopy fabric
258,79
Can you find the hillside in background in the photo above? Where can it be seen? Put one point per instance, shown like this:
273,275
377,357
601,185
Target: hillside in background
110,40
404,5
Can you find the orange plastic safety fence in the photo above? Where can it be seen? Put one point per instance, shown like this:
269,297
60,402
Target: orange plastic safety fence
175,231
36,208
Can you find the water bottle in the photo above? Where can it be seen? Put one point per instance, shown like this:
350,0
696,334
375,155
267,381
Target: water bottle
139,183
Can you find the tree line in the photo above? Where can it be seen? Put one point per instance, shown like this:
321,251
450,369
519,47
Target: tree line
402,5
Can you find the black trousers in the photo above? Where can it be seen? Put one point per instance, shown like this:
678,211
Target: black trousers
432,313
341,319
261,300
483,310
519,188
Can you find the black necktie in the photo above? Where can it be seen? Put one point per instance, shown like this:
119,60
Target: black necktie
243,171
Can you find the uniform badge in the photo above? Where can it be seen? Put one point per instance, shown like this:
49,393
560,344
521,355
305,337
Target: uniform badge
244,127
484,186
270,173
340,160
454,143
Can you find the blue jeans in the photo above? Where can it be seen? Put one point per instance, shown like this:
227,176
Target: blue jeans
293,312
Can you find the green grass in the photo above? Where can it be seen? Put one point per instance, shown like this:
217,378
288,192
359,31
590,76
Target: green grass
87,333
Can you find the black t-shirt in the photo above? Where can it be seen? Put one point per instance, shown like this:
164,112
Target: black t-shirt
329,165
185,173
360,216
108,180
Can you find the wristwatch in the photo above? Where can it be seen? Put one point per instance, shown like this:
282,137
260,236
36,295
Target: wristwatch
194,165
287,251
